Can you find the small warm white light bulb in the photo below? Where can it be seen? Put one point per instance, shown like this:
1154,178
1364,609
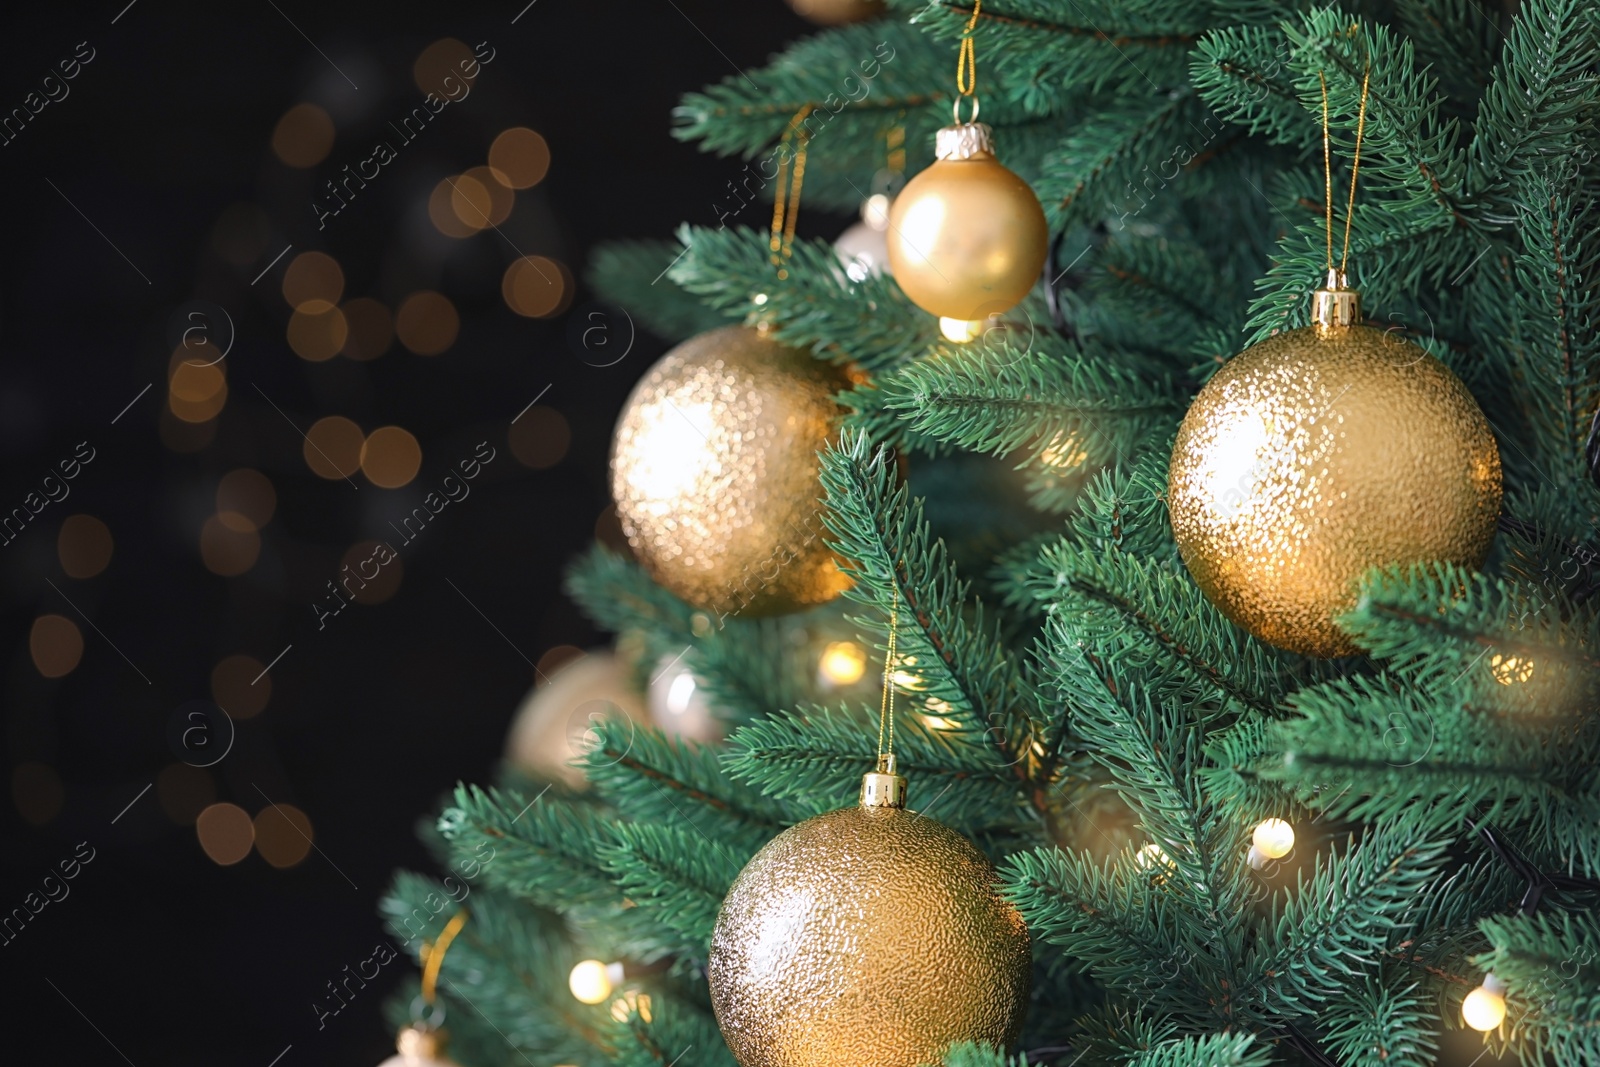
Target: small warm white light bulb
962,331
1485,1007
592,981
843,663
1274,839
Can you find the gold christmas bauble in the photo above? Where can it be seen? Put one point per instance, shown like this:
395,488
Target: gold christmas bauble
714,469
869,935
1318,454
967,238
836,12
555,724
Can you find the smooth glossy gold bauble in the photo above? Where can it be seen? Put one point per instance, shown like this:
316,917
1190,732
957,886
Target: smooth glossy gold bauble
967,238
714,470
1316,455
836,12
866,937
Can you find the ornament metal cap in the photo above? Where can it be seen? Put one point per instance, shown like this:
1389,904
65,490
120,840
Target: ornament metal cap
1336,305
963,141
883,788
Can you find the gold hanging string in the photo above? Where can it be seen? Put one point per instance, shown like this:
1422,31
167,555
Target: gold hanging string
967,59
1355,167
1327,170
786,199
433,955
886,709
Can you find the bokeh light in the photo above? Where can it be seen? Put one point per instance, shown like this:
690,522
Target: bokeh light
196,390
390,457
37,792
442,213
226,833
317,331
313,276
1510,670
56,645
539,438
84,545
245,499
535,287
332,447
443,60
843,662
283,835
184,792
370,575
370,328
303,137
495,203
226,551
521,156
239,687
427,323
591,981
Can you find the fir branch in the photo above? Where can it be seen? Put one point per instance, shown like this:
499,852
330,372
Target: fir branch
1242,72
541,849
673,1033
676,877
869,323
1213,1050
1065,408
884,540
817,755
1338,920
1382,1024
630,275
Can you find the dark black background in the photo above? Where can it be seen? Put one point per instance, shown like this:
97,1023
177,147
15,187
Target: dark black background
165,957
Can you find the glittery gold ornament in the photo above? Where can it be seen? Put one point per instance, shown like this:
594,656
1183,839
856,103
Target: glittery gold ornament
869,935
714,470
967,238
1318,454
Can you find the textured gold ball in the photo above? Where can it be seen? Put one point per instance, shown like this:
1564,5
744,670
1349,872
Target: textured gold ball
1314,456
714,470
866,936
967,238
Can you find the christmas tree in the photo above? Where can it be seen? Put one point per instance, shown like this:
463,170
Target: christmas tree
1072,701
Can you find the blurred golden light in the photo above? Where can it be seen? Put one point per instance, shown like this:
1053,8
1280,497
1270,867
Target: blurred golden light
246,499
332,447
442,213
390,457
521,156
317,331
283,835
939,722
368,575
1485,1007
184,792
1273,838
303,136
535,287
843,662
962,331
592,981
481,199
630,1001
225,832
239,687
192,380
240,234
441,60
469,202
83,545
1510,670
1063,451
371,330
427,323
55,644
225,551
313,276
539,438
1154,858
197,411
37,792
